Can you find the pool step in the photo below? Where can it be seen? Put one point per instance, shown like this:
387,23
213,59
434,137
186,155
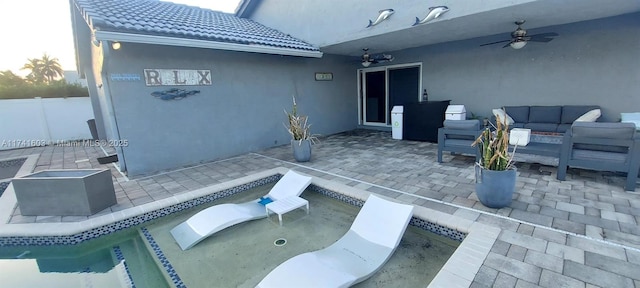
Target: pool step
160,259
141,265
124,274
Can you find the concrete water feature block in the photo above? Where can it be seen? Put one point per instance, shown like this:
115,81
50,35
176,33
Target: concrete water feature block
65,192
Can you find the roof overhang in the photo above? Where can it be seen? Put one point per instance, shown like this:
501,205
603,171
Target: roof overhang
195,43
245,8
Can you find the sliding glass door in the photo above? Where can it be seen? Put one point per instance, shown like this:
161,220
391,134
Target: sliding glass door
381,88
375,97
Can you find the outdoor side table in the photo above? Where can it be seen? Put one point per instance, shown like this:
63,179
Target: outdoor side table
286,205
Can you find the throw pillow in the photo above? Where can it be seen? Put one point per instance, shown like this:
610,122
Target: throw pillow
590,116
631,118
265,200
499,113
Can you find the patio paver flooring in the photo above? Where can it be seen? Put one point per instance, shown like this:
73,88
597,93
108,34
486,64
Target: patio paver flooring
582,232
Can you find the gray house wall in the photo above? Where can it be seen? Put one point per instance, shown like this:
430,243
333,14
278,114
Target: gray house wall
590,63
324,23
84,52
242,111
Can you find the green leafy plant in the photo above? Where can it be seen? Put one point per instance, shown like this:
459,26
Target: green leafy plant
298,126
25,90
494,147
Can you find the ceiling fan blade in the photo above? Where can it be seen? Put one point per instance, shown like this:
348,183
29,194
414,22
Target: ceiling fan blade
549,34
507,45
537,39
485,44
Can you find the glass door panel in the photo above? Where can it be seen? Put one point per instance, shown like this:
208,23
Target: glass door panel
375,97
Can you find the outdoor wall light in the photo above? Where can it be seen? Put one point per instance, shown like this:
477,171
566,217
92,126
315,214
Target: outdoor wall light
116,45
518,44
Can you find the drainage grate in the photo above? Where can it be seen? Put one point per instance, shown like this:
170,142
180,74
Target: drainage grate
280,242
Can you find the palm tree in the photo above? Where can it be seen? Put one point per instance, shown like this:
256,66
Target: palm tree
51,68
43,70
36,75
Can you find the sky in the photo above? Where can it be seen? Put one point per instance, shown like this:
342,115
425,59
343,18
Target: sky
31,28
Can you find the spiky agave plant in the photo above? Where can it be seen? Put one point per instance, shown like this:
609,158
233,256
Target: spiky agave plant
495,148
298,126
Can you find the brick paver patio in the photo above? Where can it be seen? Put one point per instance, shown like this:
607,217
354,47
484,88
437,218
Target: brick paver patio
582,232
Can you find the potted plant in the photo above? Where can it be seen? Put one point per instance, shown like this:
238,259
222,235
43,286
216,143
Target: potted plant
495,174
484,120
301,135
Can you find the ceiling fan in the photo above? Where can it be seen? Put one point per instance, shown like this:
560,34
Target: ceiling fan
519,38
368,59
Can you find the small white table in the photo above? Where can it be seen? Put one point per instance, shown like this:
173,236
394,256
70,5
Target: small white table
286,205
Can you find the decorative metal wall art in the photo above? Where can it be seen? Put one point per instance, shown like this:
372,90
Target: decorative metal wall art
174,94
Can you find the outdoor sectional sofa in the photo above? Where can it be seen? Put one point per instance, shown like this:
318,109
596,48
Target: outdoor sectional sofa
546,118
613,146
456,135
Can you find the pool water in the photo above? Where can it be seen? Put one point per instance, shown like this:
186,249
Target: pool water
95,263
240,256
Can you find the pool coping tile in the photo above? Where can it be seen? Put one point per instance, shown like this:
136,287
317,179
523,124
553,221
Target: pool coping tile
72,228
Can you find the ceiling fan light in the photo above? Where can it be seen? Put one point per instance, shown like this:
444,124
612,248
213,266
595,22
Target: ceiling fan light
518,44
366,63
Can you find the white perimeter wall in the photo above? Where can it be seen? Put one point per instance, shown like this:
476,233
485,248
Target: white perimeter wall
34,122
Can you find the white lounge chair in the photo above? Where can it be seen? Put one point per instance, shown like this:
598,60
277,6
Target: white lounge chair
361,252
215,218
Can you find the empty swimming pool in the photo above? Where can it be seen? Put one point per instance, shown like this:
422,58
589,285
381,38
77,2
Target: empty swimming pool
243,254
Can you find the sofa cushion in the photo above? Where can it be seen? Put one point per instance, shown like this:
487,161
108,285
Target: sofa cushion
615,130
462,124
542,127
571,112
604,156
545,114
459,142
517,125
472,125
563,128
520,114
610,130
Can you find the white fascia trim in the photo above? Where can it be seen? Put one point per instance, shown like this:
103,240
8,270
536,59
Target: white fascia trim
183,42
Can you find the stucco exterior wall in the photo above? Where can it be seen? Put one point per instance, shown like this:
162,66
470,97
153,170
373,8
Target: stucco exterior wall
324,23
242,111
84,51
590,63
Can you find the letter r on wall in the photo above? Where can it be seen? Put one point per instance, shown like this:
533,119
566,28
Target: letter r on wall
152,77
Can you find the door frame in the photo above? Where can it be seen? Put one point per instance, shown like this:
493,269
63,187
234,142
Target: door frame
363,100
361,89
